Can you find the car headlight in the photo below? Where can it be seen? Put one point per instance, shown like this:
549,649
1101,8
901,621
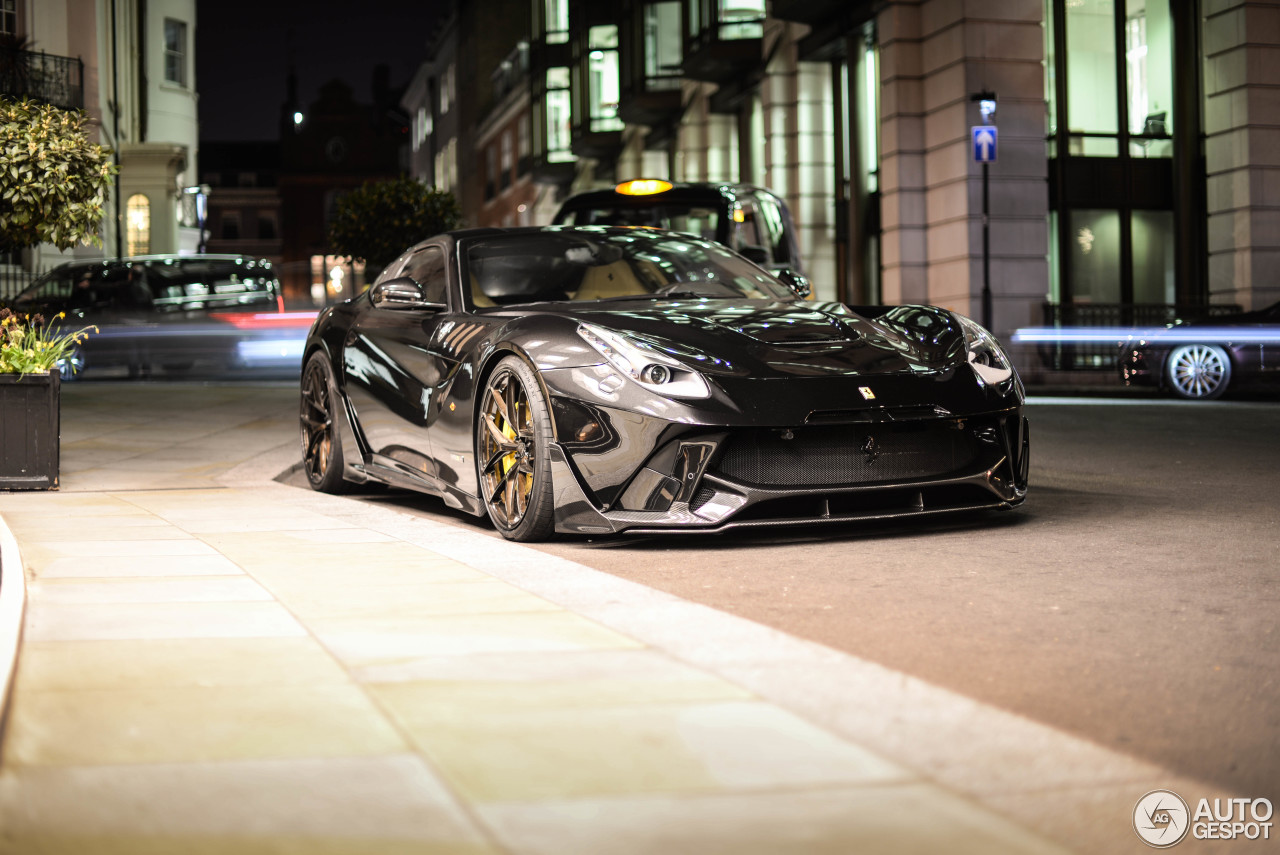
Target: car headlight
986,356
655,371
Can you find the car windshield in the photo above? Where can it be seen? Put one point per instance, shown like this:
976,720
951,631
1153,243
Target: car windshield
591,264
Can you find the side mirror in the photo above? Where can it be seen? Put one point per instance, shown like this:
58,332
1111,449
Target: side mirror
404,294
755,254
795,281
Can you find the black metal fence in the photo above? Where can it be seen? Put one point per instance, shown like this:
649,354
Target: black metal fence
13,279
1122,318
59,80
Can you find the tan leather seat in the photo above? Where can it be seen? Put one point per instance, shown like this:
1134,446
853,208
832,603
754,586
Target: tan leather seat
610,280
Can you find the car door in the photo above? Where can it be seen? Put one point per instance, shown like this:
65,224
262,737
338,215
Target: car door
392,376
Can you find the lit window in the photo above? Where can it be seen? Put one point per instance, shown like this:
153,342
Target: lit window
662,45
138,224
559,114
557,12
741,19
602,78
175,51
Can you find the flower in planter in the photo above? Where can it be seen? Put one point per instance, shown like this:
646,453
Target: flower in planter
31,345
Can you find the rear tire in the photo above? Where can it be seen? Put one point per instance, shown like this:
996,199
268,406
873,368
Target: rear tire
1199,372
321,445
513,442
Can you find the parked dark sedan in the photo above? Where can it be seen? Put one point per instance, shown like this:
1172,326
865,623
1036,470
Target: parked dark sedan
600,380
168,311
1203,360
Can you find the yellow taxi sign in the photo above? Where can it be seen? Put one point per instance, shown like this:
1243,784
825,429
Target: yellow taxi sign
643,187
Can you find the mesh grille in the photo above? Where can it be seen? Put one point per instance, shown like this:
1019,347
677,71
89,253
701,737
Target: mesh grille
830,456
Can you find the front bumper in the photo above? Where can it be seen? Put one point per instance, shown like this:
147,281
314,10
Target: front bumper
712,479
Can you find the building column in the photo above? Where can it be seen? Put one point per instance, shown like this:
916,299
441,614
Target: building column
904,238
1001,51
1242,151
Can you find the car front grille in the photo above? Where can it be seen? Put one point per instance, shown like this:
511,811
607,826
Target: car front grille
846,454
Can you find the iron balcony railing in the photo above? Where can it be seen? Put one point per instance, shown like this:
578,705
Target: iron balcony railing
58,80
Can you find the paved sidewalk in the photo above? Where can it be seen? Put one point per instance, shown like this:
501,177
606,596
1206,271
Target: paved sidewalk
215,662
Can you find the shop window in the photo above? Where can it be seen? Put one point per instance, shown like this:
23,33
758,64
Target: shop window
602,78
138,224
1095,256
1153,264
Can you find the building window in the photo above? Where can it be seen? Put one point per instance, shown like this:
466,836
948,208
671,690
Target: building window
602,78
505,178
662,45
175,52
138,224
447,94
231,227
1109,90
491,172
9,17
559,116
741,19
557,21
268,228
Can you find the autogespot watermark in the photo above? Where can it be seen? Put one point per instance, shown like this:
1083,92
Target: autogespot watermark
1162,819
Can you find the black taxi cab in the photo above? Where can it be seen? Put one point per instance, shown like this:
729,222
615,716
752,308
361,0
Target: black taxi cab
751,220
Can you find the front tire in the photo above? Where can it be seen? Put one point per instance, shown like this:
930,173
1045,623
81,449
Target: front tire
513,441
1198,372
321,445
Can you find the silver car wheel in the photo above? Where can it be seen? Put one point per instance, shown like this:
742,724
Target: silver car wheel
1199,371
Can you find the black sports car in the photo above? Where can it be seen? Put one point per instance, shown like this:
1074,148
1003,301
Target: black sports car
598,380
1202,360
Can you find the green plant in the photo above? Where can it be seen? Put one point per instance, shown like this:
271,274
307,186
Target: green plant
53,177
31,345
379,221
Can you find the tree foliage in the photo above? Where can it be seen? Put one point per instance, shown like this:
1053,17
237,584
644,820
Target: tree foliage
53,178
379,221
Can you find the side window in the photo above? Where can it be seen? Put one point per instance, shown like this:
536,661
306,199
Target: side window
746,230
774,228
427,268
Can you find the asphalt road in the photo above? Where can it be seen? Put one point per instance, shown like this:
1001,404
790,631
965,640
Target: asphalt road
1133,600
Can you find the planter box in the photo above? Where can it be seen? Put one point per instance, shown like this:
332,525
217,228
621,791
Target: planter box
29,431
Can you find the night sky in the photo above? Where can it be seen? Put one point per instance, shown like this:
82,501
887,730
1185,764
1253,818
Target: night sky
244,49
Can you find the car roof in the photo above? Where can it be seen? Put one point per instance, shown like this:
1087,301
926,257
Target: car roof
706,192
151,259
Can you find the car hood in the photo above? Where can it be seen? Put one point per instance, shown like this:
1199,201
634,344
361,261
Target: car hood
779,339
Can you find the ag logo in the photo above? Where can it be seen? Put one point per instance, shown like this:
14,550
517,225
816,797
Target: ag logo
867,394
1161,818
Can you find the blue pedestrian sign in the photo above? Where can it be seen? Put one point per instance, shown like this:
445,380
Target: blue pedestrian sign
984,143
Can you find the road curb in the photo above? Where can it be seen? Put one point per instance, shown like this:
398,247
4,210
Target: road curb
13,601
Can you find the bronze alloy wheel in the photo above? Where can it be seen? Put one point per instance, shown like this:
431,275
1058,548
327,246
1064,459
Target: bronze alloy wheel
321,447
513,434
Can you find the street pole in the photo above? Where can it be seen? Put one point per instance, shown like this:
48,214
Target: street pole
986,247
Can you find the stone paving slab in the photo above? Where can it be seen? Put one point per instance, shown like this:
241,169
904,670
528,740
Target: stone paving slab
226,664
